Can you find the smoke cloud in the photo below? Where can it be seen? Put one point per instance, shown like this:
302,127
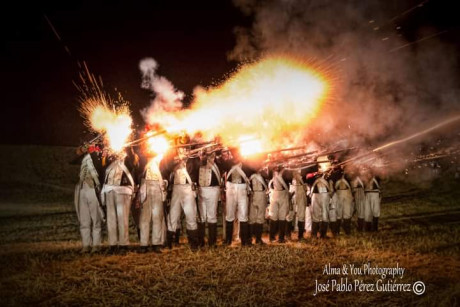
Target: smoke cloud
166,98
382,91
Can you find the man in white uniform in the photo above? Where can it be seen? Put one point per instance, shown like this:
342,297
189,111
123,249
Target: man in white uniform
152,195
258,205
184,175
237,188
209,183
87,203
344,204
279,203
116,195
320,202
357,187
372,204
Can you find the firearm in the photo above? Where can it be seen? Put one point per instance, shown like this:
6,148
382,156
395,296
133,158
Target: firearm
147,136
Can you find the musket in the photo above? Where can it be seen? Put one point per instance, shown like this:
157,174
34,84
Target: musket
192,144
144,138
285,159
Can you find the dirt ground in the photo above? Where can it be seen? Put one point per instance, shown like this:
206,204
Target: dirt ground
41,264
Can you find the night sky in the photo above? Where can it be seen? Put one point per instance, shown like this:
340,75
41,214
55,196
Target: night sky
189,41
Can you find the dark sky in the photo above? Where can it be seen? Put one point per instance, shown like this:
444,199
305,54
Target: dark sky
189,41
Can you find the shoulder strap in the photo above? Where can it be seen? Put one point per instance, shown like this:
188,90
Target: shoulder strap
279,178
259,178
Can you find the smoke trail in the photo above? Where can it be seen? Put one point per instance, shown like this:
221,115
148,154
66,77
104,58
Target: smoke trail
166,97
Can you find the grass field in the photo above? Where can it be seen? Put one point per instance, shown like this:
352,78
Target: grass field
41,263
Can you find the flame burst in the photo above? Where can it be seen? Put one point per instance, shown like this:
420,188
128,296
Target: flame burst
103,114
158,145
269,100
114,123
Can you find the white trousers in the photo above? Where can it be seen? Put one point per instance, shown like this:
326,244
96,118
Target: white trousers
279,205
183,198
118,217
344,204
320,207
237,202
372,207
257,209
152,214
308,218
300,200
360,200
89,216
208,198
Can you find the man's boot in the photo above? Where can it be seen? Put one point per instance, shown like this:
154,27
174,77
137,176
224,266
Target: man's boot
244,234
252,231
156,249
258,233
347,226
338,226
170,239
288,230
368,226
273,230
375,224
228,232
143,249
177,237
201,233
333,226
301,226
212,233
193,239
360,225
323,230
315,226
282,228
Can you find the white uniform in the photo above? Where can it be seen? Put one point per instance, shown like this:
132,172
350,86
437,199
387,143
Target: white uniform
208,196
279,203
372,207
344,199
236,193
87,203
258,199
359,197
152,195
117,198
183,198
320,200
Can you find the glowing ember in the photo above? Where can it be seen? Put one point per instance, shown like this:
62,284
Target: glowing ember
271,99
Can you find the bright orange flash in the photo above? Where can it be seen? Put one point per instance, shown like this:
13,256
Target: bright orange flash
114,123
271,100
158,145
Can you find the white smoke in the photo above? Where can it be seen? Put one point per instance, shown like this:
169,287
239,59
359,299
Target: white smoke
166,97
382,92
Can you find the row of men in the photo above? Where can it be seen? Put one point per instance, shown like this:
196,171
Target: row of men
158,191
